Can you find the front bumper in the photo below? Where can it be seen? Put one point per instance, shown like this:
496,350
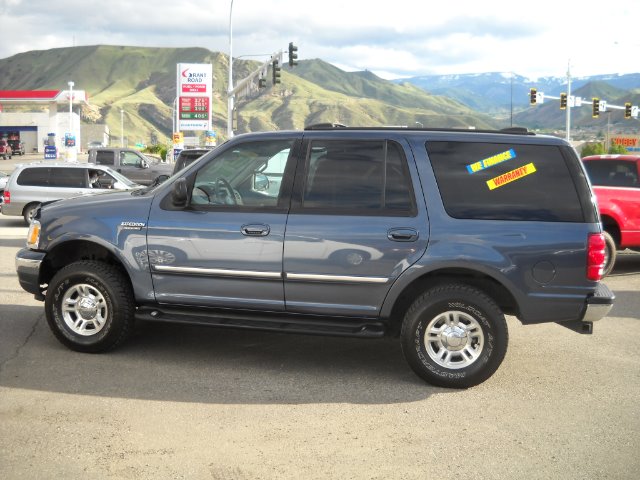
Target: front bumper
28,269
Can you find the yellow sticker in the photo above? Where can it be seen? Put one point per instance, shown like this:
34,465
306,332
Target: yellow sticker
509,177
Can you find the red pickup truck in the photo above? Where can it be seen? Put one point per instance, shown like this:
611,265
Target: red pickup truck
5,149
616,183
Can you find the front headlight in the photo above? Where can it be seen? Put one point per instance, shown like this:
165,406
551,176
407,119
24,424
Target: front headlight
33,237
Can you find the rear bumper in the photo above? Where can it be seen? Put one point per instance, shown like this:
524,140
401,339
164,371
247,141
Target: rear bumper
28,269
599,304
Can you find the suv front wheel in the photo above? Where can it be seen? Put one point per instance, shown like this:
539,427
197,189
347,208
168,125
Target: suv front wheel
89,306
454,335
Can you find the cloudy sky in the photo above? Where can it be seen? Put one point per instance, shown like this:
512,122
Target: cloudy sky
394,39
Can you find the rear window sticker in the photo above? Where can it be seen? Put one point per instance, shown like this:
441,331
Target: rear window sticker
509,177
491,161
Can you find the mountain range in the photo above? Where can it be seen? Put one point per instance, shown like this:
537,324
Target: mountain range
141,81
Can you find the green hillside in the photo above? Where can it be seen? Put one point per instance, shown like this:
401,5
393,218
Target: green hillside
141,81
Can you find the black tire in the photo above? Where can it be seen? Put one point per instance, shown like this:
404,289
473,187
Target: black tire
100,306
29,211
468,339
611,252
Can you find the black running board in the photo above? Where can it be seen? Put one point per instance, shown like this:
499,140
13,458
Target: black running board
273,321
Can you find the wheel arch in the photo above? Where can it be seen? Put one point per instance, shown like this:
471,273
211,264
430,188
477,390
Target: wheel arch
28,205
483,282
76,250
611,226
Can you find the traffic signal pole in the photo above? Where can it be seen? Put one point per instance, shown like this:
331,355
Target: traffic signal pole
255,78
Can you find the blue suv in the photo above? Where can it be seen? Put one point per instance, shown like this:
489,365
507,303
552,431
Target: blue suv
431,236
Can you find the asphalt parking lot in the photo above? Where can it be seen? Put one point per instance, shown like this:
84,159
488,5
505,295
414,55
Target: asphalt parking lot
194,402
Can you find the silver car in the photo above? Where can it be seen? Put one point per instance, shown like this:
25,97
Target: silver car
32,184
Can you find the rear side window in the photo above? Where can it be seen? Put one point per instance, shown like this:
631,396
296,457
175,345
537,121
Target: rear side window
34,177
496,181
612,173
105,157
359,177
68,178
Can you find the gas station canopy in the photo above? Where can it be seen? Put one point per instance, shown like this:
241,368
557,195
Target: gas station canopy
26,97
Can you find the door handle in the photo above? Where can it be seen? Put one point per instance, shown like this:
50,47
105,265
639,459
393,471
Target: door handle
402,235
255,230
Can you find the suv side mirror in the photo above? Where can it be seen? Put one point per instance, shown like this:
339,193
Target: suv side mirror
144,164
159,179
179,194
260,182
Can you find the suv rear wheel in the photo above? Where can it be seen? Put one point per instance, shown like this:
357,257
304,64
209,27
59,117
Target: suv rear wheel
89,306
454,335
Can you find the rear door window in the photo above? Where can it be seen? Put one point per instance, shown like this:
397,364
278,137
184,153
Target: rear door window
105,157
34,177
496,181
612,173
68,178
357,177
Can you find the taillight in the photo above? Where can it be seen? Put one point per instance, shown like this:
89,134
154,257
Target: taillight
596,248
6,197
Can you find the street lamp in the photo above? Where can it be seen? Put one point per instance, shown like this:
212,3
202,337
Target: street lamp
71,84
174,114
122,127
229,92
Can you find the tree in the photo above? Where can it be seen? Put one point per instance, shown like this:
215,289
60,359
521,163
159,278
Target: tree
621,149
592,149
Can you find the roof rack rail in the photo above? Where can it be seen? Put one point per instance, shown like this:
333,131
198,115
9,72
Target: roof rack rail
517,130
508,130
324,126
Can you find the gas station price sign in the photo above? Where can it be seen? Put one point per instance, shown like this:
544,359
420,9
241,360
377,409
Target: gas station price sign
192,108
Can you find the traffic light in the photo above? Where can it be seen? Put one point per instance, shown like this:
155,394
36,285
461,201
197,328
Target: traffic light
596,107
533,96
563,101
262,83
276,72
627,110
293,56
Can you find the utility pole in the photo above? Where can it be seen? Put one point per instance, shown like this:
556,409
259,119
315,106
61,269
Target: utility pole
568,122
230,93
70,150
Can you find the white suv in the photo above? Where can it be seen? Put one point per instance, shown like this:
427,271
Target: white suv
32,184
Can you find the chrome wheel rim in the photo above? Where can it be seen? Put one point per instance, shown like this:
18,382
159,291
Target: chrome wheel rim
84,310
454,339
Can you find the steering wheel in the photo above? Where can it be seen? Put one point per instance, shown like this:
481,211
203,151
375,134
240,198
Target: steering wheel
199,192
229,197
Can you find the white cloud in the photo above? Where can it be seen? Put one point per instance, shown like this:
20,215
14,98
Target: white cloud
391,38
